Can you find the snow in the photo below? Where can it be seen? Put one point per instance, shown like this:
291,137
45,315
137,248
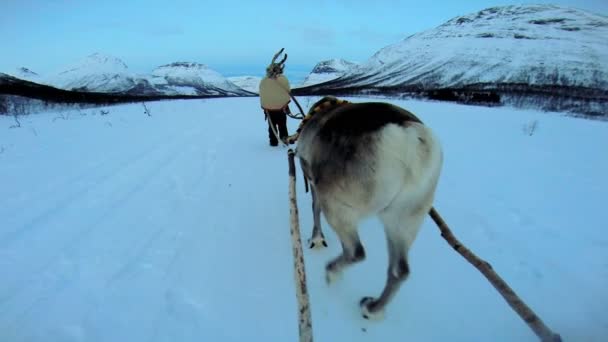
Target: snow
175,227
187,73
314,78
532,44
96,72
104,73
326,71
181,90
249,83
26,74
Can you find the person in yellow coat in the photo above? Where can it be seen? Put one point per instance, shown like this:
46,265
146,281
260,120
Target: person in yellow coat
275,96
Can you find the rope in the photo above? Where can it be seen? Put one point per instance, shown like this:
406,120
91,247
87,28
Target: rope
304,316
534,322
302,115
297,117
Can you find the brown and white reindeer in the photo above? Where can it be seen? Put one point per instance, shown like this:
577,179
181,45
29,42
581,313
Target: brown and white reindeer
364,159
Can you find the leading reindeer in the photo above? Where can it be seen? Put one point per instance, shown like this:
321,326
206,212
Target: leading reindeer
365,159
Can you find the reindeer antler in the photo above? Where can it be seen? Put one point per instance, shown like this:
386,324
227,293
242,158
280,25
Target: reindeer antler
277,55
273,69
283,61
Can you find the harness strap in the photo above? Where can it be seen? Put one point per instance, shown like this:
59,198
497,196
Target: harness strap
325,105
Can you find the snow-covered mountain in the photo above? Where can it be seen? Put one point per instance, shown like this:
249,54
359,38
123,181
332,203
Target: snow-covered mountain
188,78
327,70
511,49
96,73
533,44
26,74
108,74
249,83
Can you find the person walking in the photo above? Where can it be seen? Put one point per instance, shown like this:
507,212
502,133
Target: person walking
275,97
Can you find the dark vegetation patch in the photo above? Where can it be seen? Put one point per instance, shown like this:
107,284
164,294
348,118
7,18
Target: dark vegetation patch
521,36
548,21
464,96
570,28
577,101
463,20
14,86
460,95
597,23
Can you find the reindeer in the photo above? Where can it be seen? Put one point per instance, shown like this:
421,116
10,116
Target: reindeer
364,159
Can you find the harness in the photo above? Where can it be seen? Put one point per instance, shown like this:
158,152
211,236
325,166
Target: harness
326,104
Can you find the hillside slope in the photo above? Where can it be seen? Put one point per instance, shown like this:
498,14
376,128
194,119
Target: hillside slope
543,56
327,70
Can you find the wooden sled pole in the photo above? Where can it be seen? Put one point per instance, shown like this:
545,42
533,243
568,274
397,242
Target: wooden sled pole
534,322
304,316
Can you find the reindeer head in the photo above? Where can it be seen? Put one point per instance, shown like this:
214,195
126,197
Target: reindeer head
274,69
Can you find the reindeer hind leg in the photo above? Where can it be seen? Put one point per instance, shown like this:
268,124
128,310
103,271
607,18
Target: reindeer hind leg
401,230
344,223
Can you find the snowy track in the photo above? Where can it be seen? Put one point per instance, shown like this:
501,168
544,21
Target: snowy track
175,227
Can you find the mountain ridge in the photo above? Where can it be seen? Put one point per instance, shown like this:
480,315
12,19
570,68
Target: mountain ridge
496,50
103,73
327,70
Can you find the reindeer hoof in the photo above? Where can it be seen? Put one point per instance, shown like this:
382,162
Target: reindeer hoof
317,242
332,276
367,309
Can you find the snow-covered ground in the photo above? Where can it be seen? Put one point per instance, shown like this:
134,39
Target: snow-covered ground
175,227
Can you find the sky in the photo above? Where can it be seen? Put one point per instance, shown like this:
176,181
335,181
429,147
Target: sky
232,37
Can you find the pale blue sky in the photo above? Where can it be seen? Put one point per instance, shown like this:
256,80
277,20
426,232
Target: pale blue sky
232,37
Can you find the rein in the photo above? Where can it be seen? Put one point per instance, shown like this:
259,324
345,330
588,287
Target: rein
297,117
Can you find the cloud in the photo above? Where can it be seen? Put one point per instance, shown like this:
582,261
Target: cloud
163,30
367,35
138,27
318,35
365,4
315,35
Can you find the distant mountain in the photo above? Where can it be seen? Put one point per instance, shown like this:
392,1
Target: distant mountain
187,78
18,96
26,74
538,55
95,73
327,70
107,74
249,83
